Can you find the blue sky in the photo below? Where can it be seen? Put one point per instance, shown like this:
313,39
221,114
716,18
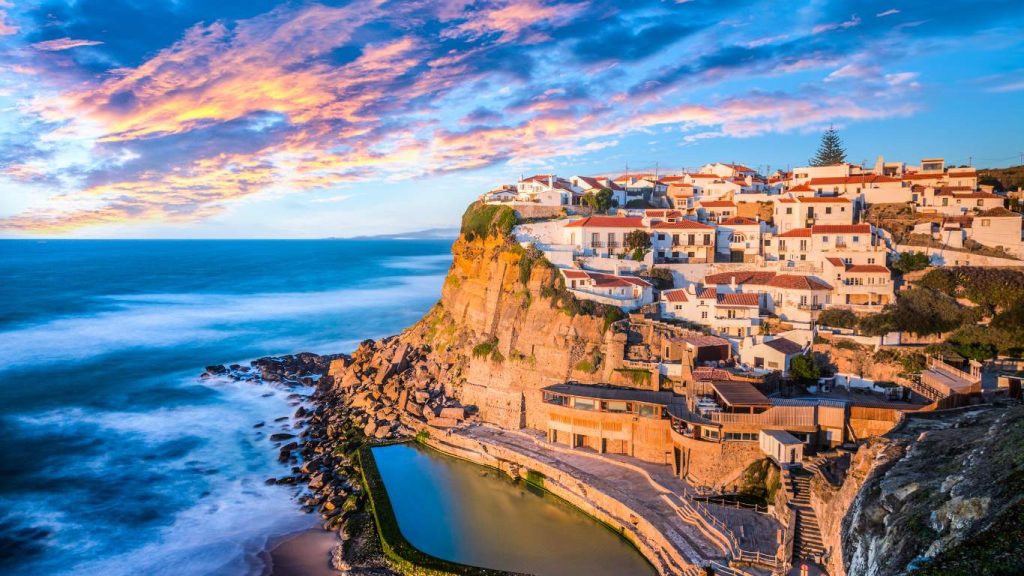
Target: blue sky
125,118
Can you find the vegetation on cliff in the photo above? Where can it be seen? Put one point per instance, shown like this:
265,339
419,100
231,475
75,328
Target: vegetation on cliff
487,220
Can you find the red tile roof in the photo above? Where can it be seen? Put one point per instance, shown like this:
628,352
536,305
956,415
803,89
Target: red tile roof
704,176
739,221
836,262
794,282
867,269
797,233
841,229
607,222
575,274
663,213
823,200
681,225
752,277
707,293
999,212
612,281
801,188
745,300
677,295
858,179
916,176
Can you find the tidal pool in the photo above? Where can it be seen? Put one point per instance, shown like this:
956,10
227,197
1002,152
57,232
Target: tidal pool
465,513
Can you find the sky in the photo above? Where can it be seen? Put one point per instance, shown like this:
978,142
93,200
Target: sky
268,119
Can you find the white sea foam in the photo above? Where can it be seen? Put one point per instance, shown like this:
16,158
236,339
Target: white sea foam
166,320
213,535
424,262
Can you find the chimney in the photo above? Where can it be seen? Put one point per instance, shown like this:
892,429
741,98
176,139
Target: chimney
732,283
551,180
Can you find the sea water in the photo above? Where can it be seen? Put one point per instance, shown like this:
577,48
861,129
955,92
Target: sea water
117,458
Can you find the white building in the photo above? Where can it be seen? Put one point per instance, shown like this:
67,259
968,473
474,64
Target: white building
626,292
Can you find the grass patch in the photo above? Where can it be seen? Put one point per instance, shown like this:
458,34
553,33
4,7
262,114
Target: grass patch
485,220
535,478
635,375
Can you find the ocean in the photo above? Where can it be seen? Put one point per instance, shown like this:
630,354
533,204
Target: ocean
117,458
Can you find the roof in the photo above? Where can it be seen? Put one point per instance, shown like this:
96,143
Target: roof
704,176
786,200
707,293
710,373
841,229
925,176
797,233
801,188
718,204
999,212
677,295
663,213
858,179
608,222
681,225
699,339
822,200
744,300
836,261
590,181
605,392
740,394
782,437
575,273
739,221
867,269
753,277
795,282
784,345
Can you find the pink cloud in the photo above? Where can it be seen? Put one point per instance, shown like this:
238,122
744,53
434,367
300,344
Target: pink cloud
63,44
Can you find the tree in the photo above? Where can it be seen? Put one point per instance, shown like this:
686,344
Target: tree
637,239
838,318
911,262
804,368
830,151
661,278
600,201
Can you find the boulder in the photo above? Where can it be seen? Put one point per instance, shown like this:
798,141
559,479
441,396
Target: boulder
453,413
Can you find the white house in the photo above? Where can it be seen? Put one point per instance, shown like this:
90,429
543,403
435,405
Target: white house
626,292
772,354
740,239
546,189
728,171
682,240
597,183
733,315
999,227
601,235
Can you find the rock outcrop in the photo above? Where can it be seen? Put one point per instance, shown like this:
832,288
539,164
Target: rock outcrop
916,497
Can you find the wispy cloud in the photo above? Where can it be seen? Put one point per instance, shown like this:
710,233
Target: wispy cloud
63,44
302,97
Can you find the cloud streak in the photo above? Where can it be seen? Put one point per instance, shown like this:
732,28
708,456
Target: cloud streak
305,97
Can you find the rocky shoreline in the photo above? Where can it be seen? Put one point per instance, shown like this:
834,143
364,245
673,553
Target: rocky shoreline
385,390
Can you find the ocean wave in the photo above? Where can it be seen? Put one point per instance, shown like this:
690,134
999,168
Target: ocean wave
200,510
162,320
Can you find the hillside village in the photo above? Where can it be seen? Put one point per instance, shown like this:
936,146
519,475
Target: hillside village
769,316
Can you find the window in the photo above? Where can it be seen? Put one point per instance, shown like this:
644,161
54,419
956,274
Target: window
583,404
709,433
871,260
856,239
743,436
824,239
661,237
707,239
703,314
616,406
595,239
828,210
789,210
675,239
648,411
690,239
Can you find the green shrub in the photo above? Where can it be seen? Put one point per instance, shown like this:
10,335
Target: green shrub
911,262
847,344
635,375
837,318
484,349
487,220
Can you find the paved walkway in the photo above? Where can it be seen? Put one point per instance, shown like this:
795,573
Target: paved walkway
642,487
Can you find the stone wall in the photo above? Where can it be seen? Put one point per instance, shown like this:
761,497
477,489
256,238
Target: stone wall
715,464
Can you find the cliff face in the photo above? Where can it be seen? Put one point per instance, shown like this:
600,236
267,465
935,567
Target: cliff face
504,334
923,496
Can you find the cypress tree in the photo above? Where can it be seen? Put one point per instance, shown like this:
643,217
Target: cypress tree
831,150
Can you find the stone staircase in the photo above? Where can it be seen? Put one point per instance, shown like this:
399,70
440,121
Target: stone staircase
807,542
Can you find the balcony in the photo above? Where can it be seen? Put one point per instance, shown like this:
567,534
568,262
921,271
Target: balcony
809,306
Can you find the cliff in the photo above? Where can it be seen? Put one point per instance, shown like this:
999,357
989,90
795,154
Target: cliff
504,328
941,494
